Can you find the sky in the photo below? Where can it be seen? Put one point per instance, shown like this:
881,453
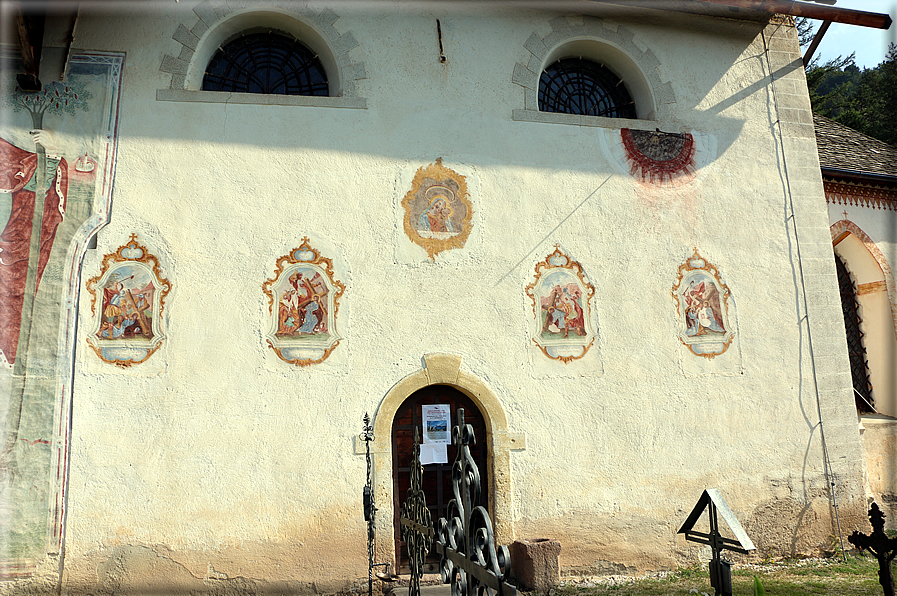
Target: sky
870,45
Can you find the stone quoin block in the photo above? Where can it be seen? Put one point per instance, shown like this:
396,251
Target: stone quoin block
534,563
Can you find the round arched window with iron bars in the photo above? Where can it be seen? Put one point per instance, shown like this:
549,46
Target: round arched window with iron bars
583,87
266,62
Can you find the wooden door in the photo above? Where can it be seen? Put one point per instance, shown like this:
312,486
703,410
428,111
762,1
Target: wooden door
437,478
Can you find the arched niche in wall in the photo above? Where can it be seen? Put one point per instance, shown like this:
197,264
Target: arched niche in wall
875,296
218,23
610,46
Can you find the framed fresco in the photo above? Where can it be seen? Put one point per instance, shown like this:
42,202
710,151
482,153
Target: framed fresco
437,209
130,291
562,325
702,302
303,301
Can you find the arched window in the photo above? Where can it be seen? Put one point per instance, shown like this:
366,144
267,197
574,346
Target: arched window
583,87
267,62
859,368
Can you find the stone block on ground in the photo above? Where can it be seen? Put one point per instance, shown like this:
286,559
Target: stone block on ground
534,564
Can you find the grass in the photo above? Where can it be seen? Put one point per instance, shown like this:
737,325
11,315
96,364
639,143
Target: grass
858,576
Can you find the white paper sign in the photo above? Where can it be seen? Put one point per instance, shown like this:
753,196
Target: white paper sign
433,453
437,424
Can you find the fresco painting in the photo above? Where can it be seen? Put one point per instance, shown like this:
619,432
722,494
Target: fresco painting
561,304
302,307
303,300
437,209
57,163
701,298
131,293
656,157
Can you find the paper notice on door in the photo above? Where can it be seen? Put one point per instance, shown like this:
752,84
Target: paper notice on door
437,423
433,453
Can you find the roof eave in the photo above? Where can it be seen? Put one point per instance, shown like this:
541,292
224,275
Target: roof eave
854,176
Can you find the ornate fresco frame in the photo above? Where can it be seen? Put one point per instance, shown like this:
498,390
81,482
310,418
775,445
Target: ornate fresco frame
696,267
440,174
132,254
560,261
304,256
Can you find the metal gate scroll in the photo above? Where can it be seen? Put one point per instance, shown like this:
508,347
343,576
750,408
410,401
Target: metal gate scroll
464,539
417,523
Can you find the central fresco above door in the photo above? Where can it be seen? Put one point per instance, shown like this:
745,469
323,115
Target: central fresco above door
437,209
303,300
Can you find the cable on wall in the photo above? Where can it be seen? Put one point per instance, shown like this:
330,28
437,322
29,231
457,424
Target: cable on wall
827,464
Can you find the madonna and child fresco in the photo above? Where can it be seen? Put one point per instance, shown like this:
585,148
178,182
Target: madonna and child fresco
561,305
701,298
303,299
437,209
131,291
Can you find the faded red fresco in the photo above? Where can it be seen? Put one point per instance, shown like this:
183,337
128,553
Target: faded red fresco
17,167
658,157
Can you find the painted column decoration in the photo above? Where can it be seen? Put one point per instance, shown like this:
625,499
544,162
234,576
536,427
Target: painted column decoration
437,209
131,294
562,325
303,301
701,298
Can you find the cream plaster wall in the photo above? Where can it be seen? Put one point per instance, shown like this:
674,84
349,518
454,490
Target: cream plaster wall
216,461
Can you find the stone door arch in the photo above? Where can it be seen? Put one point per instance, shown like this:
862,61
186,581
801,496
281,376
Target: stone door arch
444,369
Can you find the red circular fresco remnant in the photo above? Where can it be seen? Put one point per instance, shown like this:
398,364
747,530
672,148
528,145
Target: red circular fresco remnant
659,157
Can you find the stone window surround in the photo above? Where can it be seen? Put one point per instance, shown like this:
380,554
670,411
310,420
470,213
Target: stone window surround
218,17
654,96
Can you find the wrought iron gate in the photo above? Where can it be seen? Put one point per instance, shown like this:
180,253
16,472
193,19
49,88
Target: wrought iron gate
464,539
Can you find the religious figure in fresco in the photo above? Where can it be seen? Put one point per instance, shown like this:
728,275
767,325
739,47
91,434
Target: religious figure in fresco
18,180
702,310
303,300
561,294
562,311
303,304
126,309
437,217
701,298
131,291
46,181
437,209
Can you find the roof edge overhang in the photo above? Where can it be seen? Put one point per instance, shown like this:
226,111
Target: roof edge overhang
755,10
854,176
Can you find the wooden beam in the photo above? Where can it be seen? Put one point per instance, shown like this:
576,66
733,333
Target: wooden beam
753,9
25,46
848,16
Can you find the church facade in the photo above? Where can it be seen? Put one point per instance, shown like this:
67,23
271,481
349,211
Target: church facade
632,298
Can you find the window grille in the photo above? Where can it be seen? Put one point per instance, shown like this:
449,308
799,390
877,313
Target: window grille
580,86
859,368
266,62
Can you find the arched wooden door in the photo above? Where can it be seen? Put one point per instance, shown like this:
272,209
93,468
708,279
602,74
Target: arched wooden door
437,478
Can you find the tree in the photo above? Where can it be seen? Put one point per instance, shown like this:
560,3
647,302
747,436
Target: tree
865,100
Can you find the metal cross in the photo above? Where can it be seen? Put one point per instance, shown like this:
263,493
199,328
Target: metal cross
884,548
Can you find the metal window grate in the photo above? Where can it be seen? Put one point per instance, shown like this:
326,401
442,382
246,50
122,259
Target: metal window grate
580,86
859,369
266,62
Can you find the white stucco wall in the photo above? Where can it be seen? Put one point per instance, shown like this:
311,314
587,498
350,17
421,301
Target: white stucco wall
215,457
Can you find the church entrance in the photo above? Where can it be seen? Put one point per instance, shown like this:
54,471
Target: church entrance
437,477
